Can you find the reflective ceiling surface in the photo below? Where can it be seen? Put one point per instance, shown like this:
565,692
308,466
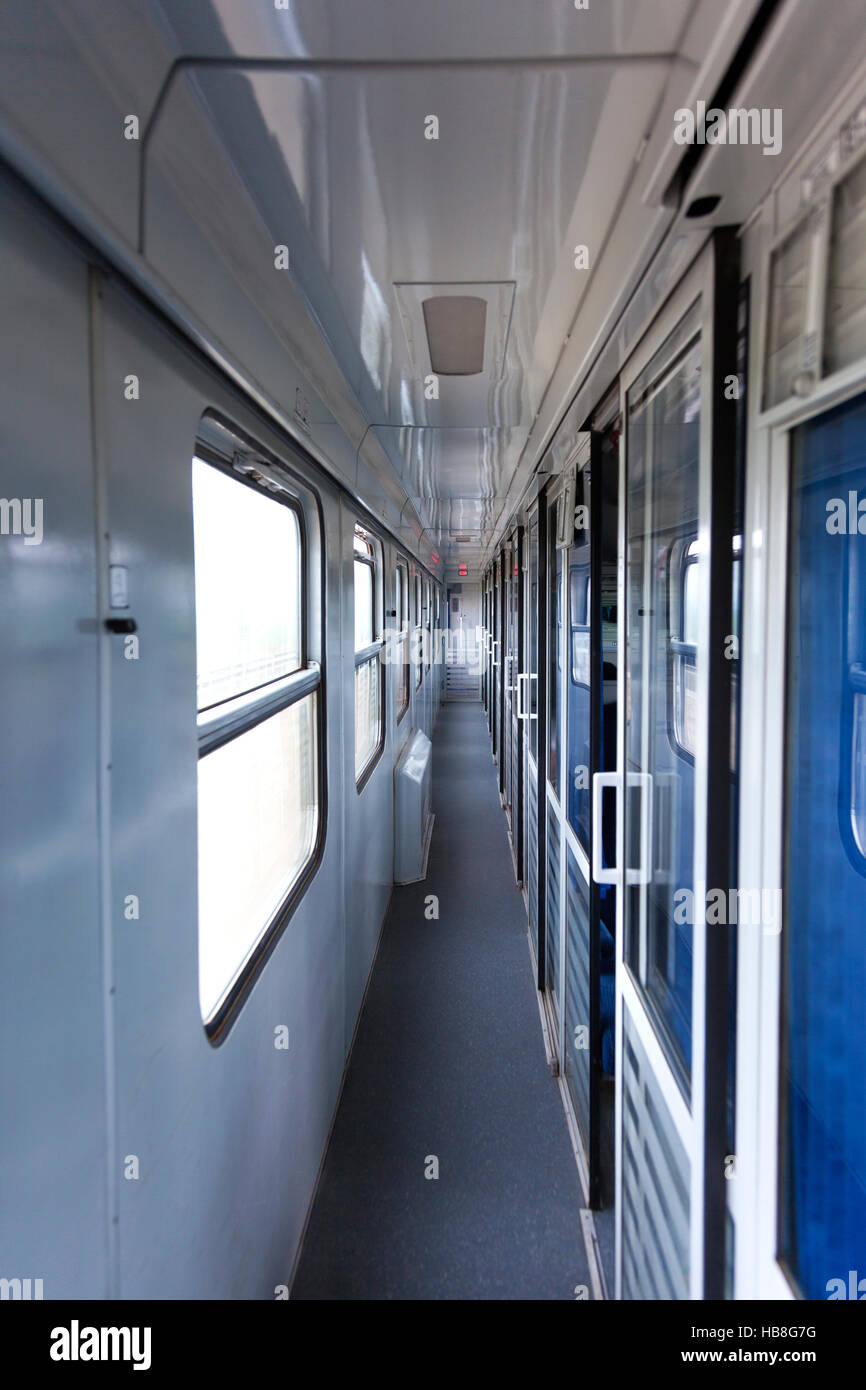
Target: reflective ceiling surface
337,159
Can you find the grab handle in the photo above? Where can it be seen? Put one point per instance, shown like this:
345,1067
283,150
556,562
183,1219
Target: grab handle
599,782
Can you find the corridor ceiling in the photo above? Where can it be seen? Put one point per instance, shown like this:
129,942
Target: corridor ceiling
447,148
515,152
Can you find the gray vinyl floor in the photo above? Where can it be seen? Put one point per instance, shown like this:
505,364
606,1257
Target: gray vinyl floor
449,1064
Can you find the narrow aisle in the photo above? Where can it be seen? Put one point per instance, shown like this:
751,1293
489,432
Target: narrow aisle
449,1062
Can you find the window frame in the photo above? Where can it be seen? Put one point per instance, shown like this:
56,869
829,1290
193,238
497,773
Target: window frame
242,474
576,628
229,719
555,568
418,585
402,613
373,650
683,655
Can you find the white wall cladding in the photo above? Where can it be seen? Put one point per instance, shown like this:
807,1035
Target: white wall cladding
52,1083
70,72
228,1139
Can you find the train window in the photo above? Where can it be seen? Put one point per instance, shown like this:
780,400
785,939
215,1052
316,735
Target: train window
663,442
734,647
401,584
689,622
788,307
555,658
857,796
428,622
684,647
845,321
365,602
822,1177
580,598
258,780
248,586
578,697
532,623
369,683
419,620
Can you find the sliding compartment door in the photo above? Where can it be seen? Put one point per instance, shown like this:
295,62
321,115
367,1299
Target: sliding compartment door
496,663
822,1181
528,710
801,1228
553,912
505,664
673,784
515,647
511,667
584,1044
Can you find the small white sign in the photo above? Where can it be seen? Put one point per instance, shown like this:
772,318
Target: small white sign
118,586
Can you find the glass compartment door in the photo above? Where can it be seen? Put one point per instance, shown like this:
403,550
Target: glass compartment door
675,581
553,964
515,649
528,711
505,774
510,670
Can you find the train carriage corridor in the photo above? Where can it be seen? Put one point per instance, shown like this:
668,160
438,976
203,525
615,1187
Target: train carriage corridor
448,1066
433,645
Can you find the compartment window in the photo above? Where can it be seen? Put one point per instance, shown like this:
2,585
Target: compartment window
369,685
790,268
685,651
845,321
853,778
684,648
401,646
580,627
419,664
428,622
259,800
857,800
578,697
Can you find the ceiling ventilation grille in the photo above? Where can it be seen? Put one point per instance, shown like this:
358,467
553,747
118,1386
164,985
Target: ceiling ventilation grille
456,325
457,328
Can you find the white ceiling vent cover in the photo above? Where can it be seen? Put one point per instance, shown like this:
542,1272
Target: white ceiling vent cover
455,325
457,329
